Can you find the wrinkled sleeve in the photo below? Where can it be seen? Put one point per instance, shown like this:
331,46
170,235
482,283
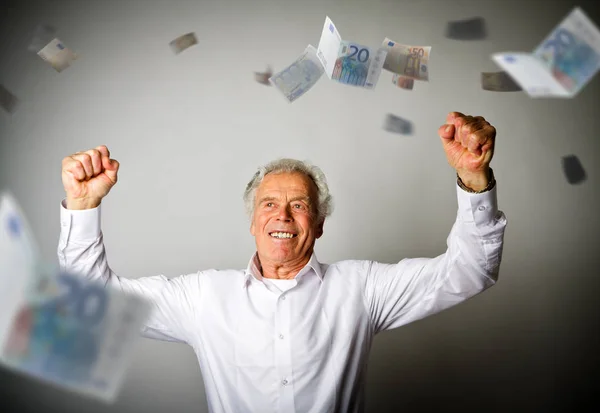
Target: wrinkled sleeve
414,288
174,300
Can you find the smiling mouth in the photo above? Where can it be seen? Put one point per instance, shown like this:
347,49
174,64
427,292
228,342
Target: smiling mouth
282,235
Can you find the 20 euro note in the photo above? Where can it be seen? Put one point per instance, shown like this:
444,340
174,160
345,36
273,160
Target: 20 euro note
299,77
407,61
74,333
349,62
562,64
60,327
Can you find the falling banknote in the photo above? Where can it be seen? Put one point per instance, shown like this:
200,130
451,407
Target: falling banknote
562,64
183,42
403,82
396,124
349,62
58,55
297,79
407,61
498,82
263,77
8,101
468,29
60,327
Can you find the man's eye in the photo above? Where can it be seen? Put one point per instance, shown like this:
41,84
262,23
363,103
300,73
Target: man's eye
269,204
298,206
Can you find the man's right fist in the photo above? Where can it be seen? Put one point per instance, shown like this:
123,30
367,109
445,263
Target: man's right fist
88,177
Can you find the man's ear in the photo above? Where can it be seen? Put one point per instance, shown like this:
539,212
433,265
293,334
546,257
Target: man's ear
320,229
252,227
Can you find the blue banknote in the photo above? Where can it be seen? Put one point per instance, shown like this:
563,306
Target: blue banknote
299,77
74,333
572,51
61,327
352,65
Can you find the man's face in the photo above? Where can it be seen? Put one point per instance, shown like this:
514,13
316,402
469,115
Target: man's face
285,222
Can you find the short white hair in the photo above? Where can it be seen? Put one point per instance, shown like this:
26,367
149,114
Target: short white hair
324,206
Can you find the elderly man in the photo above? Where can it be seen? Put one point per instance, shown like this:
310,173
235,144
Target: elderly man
289,333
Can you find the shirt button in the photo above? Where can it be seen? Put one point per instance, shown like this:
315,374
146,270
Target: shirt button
283,297
281,336
284,382
481,208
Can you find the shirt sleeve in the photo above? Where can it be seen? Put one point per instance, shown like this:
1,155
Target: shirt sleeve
81,251
398,294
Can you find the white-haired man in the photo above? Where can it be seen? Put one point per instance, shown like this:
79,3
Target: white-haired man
288,333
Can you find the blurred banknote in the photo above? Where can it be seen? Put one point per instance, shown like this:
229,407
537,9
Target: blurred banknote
183,42
407,61
395,124
263,77
297,79
58,55
59,327
498,82
42,35
468,29
349,62
403,82
573,169
8,101
562,64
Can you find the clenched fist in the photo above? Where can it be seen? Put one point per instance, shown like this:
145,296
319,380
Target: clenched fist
88,177
469,145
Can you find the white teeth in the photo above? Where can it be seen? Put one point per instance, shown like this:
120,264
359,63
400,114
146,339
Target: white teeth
282,235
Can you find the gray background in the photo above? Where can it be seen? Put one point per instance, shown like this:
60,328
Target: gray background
190,130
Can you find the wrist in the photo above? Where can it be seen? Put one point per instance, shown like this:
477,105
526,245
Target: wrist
79,204
475,181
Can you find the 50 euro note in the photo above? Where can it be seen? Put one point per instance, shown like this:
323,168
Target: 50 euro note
299,77
59,327
349,62
407,61
562,64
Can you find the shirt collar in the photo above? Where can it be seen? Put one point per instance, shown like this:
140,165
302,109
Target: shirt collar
254,269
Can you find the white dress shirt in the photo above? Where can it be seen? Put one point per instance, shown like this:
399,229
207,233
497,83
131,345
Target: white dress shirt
299,345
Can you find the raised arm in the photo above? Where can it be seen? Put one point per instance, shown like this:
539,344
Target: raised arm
87,178
397,294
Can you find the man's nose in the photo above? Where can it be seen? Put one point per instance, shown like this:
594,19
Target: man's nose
284,213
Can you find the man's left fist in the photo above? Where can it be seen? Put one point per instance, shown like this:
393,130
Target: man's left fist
469,145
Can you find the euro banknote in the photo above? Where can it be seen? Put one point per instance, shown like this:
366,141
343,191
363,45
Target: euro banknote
263,77
183,42
562,64
349,62
407,61
299,77
58,55
403,82
467,29
498,82
396,124
8,101
59,327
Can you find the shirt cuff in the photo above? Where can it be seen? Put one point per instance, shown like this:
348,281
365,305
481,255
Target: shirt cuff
79,224
478,208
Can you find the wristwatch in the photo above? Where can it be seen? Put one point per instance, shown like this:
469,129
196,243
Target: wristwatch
490,185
